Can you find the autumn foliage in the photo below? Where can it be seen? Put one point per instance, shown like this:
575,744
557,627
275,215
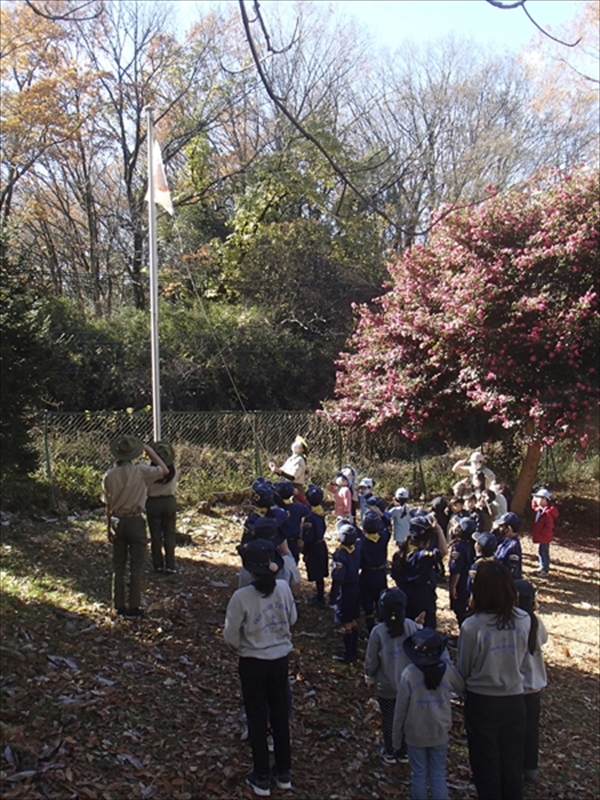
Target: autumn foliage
498,312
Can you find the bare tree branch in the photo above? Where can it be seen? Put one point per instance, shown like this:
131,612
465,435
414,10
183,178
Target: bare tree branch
69,16
509,6
296,123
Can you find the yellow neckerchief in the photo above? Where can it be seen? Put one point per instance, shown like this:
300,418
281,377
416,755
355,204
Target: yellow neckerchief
350,549
261,511
411,548
373,537
318,510
288,500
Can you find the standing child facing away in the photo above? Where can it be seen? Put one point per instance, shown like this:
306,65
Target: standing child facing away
314,548
423,714
542,527
485,547
385,660
345,591
296,511
509,550
461,558
373,565
534,679
258,626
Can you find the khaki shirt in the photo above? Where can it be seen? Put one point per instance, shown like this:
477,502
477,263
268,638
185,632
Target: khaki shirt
125,487
163,489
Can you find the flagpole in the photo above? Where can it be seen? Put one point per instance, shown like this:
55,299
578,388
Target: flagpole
153,258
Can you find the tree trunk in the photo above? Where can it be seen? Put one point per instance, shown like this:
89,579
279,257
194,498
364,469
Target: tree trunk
525,481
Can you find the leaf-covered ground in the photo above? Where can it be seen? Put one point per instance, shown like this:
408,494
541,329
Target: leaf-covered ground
95,706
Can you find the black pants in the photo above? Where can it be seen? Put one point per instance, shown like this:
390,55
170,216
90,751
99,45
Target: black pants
129,543
496,733
532,730
161,514
387,706
265,693
372,583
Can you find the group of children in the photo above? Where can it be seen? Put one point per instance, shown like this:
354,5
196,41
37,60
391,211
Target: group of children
406,660
499,669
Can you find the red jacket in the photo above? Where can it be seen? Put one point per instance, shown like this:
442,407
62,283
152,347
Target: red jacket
542,528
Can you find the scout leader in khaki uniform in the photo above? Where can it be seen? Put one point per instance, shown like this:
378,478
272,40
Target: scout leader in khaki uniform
124,490
161,512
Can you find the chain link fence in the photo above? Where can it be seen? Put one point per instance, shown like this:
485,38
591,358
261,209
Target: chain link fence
88,434
258,436
223,452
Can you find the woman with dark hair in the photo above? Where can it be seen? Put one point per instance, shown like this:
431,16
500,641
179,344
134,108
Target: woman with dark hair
492,647
257,625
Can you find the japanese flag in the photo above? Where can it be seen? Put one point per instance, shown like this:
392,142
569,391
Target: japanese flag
162,195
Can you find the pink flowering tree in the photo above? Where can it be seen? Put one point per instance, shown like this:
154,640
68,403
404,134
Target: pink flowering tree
497,315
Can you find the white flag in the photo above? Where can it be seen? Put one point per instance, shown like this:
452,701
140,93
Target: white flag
162,196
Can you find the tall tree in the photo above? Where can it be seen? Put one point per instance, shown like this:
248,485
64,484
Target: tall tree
497,315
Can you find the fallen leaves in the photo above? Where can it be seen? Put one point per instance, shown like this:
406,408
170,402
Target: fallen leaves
99,707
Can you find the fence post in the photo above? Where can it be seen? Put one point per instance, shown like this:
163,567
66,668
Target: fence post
47,456
257,462
417,462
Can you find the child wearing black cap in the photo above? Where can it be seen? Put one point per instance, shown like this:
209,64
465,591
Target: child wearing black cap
345,591
268,529
385,660
373,564
314,548
263,500
486,544
534,679
423,714
509,551
257,625
461,558
296,512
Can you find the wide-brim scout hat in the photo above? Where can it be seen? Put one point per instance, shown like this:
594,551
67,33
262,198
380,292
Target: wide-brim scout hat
425,647
260,557
126,448
301,442
165,451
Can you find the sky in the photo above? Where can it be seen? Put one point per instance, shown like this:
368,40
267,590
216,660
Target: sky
391,21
